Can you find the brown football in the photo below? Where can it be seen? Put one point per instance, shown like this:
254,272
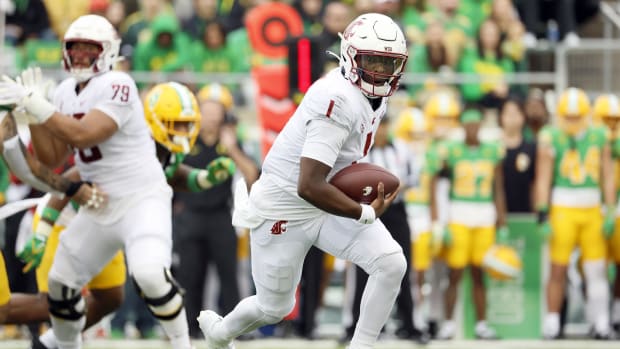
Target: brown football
359,181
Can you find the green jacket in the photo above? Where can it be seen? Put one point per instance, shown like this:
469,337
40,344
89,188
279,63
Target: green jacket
149,55
493,68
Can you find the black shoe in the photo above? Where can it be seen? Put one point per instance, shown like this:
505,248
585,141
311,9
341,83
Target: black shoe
36,344
345,339
421,337
433,328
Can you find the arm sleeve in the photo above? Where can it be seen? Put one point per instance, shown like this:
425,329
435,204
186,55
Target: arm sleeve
118,99
323,141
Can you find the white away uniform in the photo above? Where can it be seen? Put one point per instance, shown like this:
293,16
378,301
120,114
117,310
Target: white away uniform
138,215
335,125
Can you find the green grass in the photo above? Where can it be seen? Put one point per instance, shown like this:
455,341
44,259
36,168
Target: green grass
332,344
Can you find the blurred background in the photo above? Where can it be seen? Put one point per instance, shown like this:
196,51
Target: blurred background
256,58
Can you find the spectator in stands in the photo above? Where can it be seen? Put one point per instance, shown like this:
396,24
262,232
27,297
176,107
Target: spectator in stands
28,20
336,17
167,48
487,60
135,26
457,25
511,29
390,8
518,165
210,53
537,13
311,12
115,13
476,10
203,231
63,12
431,57
412,20
536,114
205,11
364,6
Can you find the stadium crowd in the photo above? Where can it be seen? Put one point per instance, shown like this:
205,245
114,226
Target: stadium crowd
468,155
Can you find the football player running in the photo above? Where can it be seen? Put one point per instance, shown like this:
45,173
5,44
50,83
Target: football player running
292,206
574,170
98,113
173,116
477,212
607,112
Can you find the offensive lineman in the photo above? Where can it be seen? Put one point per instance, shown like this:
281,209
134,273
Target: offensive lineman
98,112
174,119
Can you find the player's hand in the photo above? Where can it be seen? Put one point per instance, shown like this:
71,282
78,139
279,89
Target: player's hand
90,197
609,224
544,227
220,169
11,92
33,250
28,91
438,236
502,235
382,202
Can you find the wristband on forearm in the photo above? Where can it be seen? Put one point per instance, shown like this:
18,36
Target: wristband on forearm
73,188
197,180
50,214
368,215
543,214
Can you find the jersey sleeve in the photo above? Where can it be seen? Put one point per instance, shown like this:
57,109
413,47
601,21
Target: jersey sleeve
324,139
323,103
118,96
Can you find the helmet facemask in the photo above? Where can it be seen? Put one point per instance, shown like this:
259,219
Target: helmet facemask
378,73
72,58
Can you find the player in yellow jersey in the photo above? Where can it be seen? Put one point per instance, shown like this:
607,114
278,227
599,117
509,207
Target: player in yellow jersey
607,112
477,211
573,168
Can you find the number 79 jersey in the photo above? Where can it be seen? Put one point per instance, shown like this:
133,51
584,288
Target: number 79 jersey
125,162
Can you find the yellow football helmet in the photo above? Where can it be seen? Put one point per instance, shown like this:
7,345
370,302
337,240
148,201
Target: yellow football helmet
502,262
573,109
607,111
443,108
218,93
172,113
412,125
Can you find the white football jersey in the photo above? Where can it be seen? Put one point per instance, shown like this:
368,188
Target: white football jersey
347,112
126,162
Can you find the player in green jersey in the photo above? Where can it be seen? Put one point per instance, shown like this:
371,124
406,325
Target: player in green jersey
573,169
477,211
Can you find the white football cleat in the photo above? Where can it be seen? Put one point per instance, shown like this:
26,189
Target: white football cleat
206,320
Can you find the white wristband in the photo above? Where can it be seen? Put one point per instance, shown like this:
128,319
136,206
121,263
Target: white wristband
368,214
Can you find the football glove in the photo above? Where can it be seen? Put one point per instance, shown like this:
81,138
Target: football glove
440,237
220,169
544,227
33,250
609,224
502,235
28,92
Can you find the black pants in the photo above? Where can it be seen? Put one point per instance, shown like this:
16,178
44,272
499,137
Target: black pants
535,14
310,292
395,220
198,240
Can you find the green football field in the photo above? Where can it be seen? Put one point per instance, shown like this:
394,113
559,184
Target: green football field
332,344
